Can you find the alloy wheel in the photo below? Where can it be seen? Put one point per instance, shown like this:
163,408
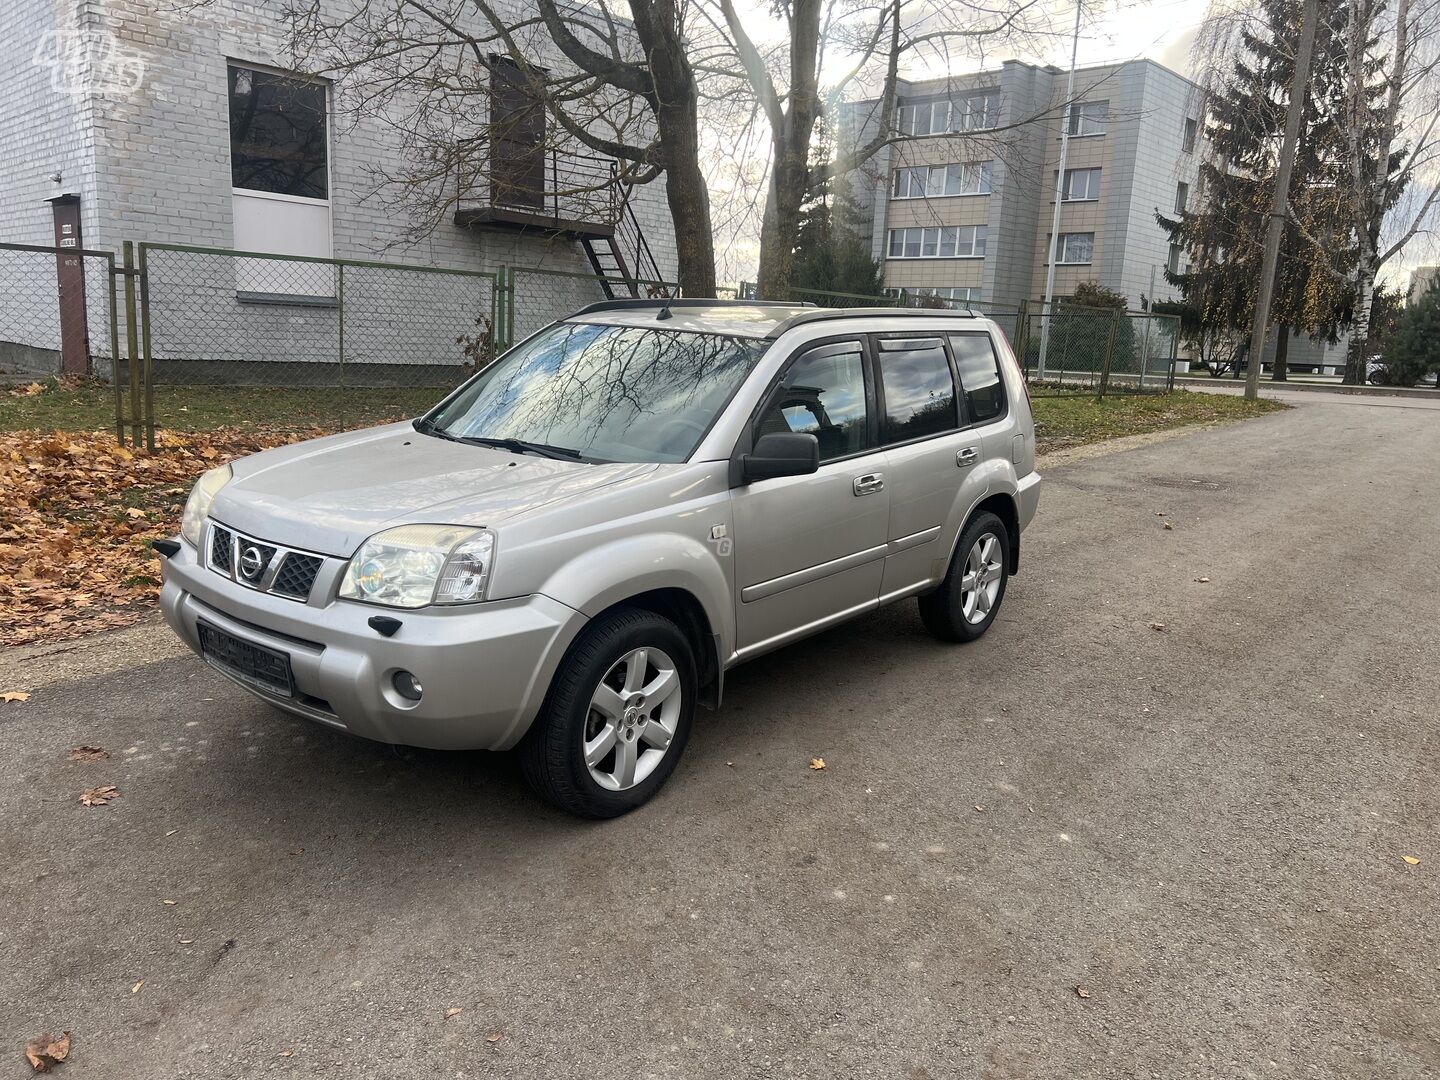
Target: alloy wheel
632,719
980,586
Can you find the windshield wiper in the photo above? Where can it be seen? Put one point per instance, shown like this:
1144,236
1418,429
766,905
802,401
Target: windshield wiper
521,446
426,427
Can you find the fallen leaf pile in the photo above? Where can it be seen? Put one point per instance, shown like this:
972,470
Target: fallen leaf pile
77,518
99,796
88,753
47,1050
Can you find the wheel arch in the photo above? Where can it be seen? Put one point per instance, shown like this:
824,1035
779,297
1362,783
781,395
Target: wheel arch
685,610
1002,505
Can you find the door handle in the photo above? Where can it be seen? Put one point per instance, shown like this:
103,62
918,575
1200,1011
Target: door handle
869,483
967,455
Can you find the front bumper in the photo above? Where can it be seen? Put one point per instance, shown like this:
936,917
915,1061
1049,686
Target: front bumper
485,668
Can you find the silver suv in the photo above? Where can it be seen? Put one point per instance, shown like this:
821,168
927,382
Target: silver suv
568,553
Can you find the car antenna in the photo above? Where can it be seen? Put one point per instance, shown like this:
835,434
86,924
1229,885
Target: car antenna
664,312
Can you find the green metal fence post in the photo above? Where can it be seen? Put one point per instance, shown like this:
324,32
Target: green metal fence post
510,308
340,314
1174,355
148,365
1115,318
1022,332
132,342
114,312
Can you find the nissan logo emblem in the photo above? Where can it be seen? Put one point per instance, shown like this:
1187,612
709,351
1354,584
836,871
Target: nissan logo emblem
251,563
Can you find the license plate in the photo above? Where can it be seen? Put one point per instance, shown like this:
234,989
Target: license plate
264,669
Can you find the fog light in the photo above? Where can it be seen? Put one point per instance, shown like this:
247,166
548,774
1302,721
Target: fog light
407,686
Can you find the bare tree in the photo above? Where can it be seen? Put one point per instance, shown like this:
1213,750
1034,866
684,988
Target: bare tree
827,49
621,86
1393,143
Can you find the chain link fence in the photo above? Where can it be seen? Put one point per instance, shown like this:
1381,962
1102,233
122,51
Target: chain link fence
1073,350
288,343
535,298
43,288
1070,349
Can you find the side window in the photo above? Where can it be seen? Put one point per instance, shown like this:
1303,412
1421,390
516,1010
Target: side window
823,394
979,376
919,390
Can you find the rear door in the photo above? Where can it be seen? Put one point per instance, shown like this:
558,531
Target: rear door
809,549
985,402
934,472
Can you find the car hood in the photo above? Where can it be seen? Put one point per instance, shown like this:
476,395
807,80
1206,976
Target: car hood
328,495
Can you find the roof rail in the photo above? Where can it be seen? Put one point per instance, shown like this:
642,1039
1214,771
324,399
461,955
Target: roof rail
821,314
629,303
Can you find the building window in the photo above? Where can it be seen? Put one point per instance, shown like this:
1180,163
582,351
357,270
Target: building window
1082,185
1192,129
975,112
280,182
929,181
972,112
1075,247
950,296
1089,117
1173,262
942,242
1182,196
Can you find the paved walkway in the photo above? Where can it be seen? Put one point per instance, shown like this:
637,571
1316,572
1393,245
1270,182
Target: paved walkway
1202,826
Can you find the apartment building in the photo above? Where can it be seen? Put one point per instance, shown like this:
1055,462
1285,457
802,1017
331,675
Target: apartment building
961,203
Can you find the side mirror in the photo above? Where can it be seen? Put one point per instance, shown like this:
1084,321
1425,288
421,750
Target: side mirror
781,453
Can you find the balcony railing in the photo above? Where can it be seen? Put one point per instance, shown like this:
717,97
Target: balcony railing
577,194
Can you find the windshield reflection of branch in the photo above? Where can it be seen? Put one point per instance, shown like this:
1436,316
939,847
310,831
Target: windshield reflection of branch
570,389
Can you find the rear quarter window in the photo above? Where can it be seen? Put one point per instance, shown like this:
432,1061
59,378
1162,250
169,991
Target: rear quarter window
980,380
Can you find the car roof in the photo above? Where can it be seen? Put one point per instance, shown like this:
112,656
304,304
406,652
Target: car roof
742,318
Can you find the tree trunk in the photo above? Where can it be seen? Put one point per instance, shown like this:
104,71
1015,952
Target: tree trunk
1281,370
689,198
1355,357
674,99
778,231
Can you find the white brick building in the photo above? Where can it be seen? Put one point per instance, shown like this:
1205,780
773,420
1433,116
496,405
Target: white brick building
130,107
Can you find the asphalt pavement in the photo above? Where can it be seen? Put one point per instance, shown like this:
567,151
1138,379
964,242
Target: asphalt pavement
1153,825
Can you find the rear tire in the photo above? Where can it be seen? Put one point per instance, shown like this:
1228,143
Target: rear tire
616,718
969,597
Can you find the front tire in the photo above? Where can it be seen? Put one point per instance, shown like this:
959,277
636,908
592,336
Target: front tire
617,716
969,597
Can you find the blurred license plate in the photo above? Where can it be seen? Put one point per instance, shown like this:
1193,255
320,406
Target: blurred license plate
264,669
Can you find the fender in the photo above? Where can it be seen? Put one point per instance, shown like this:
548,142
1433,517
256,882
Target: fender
613,572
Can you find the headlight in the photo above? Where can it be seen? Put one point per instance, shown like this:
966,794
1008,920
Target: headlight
197,507
415,565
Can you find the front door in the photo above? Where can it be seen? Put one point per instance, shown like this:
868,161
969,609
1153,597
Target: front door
811,549
517,138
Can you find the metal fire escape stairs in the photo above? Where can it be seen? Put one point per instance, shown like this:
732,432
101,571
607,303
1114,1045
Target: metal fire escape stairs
614,257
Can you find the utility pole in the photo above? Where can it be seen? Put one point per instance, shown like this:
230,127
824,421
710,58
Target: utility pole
1048,302
1280,199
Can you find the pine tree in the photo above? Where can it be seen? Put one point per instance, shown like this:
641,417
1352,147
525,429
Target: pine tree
830,253
1223,234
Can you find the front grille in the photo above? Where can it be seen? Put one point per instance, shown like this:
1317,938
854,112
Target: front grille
296,575
261,566
221,548
252,560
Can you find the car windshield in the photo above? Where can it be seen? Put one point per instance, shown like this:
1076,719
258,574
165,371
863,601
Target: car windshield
602,393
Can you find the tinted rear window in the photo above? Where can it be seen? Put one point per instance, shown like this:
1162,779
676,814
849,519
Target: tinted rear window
918,387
